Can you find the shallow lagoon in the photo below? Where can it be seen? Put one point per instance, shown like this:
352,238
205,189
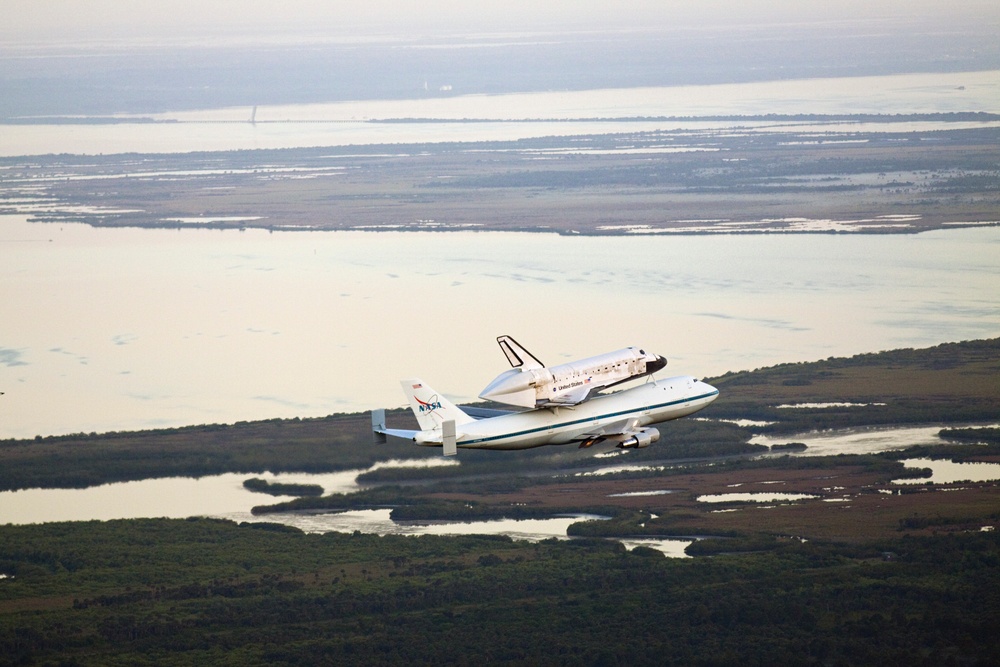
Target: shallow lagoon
223,496
514,116
951,472
124,329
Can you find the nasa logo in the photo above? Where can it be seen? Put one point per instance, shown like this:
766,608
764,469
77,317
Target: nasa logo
429,406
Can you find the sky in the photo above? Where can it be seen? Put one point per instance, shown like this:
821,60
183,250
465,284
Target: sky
58,21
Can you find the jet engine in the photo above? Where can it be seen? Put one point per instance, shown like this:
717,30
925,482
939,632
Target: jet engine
644,438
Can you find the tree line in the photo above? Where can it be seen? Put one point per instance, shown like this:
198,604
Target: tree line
211,592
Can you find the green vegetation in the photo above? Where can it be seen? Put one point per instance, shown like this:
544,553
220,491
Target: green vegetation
790,447
279,489
210,592
979,435
970,449
886,575
953,382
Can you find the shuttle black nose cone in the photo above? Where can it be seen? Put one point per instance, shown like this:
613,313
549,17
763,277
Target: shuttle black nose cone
653,366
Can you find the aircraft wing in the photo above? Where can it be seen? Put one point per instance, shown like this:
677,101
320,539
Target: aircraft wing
626,427
448,434
626,433
380,433
397,433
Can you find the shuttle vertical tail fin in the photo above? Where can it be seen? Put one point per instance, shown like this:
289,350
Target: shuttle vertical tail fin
517,355
430,408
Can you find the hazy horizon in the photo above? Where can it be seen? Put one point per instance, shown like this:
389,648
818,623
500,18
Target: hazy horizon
59,20
100,57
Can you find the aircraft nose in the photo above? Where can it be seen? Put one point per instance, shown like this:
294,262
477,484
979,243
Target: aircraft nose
709,389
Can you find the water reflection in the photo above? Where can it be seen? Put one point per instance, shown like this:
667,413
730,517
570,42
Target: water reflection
951,472
379,522
915,93
762,497
636,494
174,497
224,497
855,441
670,548
214,326
614,470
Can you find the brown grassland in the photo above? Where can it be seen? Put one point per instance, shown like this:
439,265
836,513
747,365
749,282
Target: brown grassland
738,179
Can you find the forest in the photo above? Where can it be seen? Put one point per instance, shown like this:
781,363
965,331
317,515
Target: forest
174,592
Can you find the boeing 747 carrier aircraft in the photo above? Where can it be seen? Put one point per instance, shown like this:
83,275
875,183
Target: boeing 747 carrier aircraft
622,418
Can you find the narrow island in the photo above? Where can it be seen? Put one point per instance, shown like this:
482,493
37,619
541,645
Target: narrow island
259,485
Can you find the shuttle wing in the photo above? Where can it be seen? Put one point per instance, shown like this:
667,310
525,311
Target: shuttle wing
574,396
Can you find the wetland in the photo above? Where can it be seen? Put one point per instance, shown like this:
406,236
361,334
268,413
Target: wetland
754,174
840,547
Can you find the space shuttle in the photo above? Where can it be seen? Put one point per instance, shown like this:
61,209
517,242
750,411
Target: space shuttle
529,384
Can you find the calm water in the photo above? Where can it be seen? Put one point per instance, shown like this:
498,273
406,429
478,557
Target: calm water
175,497
223,496
105,329
912,93
754,497
342,123
855,441
862,440
952,472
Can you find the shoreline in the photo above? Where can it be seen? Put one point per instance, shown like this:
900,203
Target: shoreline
752,229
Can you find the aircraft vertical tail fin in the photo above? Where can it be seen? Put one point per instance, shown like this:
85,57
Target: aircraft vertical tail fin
430,408
517,355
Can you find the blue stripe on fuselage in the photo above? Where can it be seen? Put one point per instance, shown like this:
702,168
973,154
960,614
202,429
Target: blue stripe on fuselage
621,413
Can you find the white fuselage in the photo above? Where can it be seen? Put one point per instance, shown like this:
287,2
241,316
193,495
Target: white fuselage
647,404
